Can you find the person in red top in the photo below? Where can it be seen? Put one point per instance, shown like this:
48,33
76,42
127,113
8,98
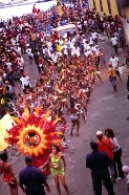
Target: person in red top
40,64
105,145
8,175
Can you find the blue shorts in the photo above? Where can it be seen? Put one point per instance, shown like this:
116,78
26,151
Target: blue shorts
113,81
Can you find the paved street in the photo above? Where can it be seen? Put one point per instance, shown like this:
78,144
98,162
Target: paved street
106,109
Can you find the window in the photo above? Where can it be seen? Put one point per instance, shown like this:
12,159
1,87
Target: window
109,6
101,5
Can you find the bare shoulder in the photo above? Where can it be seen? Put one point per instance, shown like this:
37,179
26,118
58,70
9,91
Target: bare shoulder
8,165
50,155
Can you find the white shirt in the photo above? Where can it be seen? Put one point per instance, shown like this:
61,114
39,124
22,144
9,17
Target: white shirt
88,52
54,57
85,23
86,46
93,48
94,35
114,40
75,51
49,44
91,40
97,52
115,143
25,81
73,40
70,45
29,52
45,51
61,42
114,61
18,50
9,66
65,49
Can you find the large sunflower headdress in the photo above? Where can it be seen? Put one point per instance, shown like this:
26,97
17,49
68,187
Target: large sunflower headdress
34,133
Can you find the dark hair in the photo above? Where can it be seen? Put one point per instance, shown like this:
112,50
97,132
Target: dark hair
28,159
110,131
32,134
94,145
4,156
56,147
7,88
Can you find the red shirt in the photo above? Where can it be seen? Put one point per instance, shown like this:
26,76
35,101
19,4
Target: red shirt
105,145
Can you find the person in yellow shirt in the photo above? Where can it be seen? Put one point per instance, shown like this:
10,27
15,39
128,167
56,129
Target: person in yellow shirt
112,76
58,47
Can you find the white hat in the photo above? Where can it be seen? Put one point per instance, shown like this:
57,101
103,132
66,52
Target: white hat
99,133
125,169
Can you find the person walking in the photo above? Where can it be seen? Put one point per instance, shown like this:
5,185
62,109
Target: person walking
112,76
31,179
55,161
117,153
25,81
114,41
8,175
114,60
98,163
74,116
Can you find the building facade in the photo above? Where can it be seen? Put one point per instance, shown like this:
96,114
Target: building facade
109,7
113,7
123,6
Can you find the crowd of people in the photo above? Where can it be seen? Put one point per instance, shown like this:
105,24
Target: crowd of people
68,65
105,162
68,68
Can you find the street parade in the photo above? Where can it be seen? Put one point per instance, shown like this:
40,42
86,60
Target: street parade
64,91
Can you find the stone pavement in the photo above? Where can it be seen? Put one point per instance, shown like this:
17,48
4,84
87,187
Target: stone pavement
106,109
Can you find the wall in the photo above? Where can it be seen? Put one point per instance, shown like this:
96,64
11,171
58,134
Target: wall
126,29
105,5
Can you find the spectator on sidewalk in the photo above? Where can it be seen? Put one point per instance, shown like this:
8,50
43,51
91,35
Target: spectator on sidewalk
105,145
117,153
98,163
